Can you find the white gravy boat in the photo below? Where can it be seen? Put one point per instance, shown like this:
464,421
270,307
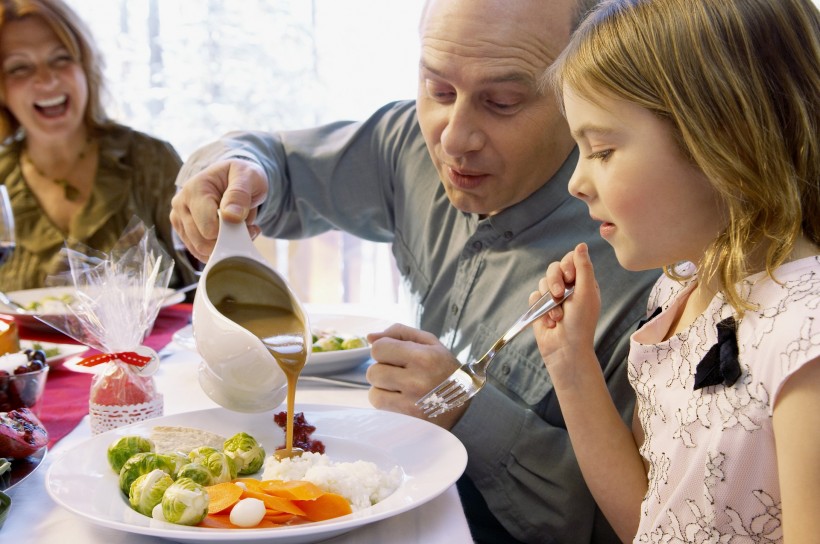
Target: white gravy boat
237,371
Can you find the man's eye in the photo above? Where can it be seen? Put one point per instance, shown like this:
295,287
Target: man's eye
438,92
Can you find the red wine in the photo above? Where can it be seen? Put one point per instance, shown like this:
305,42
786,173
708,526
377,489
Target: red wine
6,249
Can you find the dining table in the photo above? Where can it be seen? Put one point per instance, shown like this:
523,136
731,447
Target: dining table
36,518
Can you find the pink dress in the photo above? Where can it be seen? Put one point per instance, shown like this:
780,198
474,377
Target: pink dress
711,453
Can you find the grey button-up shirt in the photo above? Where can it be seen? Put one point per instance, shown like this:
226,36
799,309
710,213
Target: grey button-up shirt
471,279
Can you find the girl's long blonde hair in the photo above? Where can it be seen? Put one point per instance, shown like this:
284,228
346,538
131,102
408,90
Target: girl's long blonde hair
739,83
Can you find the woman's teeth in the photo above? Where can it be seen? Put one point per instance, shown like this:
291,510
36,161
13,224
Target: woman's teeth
52,107
48,103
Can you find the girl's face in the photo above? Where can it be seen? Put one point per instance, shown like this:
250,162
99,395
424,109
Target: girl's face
656,207
44,87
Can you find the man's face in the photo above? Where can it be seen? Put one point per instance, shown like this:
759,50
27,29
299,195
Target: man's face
493,135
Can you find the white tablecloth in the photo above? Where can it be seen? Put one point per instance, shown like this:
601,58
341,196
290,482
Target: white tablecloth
35,518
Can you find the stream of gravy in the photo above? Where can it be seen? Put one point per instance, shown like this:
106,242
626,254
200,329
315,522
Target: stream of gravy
283,334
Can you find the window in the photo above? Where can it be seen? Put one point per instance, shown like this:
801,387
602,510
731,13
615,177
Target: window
188,71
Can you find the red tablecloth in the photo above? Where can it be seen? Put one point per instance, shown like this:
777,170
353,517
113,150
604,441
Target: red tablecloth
65,401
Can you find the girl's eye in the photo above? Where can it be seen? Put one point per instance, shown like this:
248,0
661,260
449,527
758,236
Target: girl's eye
602,155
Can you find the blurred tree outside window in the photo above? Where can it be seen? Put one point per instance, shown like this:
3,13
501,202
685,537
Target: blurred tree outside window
188,71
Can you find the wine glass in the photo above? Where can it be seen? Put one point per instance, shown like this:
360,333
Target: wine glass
7,239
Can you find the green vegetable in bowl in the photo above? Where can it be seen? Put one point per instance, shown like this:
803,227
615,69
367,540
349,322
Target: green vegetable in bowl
327,343
143,463
5,465
185,502
196,472
123,448
147,490
222,467
355,342
330,341
246,452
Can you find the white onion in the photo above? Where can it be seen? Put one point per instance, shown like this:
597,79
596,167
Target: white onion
247,512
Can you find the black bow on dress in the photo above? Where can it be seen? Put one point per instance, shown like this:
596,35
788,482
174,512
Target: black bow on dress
720,364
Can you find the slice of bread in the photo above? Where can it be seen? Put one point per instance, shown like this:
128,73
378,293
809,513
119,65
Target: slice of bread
170,439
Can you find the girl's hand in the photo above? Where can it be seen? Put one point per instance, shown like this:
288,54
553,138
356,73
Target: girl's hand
568,330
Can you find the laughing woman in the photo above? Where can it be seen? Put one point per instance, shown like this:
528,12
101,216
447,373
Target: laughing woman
74,176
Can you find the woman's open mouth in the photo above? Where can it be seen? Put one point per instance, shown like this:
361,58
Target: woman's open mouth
52,107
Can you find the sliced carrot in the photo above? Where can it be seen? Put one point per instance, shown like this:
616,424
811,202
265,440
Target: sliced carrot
274,503
328,506
279,517
223,496
250,483
299,490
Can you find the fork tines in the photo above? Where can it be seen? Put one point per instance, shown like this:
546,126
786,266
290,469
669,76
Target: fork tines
451,393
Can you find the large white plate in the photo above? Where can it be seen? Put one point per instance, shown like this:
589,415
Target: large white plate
327,362
430,458
27,296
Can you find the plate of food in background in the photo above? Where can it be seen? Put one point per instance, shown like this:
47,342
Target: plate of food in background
54,301
339,341
55,354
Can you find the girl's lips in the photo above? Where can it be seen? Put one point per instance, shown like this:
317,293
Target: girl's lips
607,229
464,180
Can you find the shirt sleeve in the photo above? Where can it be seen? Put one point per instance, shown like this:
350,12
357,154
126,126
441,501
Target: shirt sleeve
318,176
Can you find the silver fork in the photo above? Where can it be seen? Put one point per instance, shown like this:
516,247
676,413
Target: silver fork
469,378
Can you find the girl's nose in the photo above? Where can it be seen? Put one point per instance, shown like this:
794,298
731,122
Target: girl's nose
580,185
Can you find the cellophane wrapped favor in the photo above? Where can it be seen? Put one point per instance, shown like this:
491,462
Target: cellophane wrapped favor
117,297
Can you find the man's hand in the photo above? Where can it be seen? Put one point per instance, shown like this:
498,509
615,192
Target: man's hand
409,363
235,186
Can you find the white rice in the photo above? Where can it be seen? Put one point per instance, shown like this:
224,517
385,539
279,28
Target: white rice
360,482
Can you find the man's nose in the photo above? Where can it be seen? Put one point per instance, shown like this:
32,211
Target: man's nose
463,132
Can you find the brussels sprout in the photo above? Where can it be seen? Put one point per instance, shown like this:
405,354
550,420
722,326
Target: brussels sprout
222,467
123,448
327,343
147,490
143,463
246,452
185,502
180,460
196,472
354,343
198,455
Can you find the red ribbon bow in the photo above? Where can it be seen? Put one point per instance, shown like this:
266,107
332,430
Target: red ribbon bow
128,357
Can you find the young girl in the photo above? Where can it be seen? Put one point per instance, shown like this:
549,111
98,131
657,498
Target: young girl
697,123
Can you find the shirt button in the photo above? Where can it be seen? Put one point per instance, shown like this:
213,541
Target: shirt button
477,246
454,309
505,369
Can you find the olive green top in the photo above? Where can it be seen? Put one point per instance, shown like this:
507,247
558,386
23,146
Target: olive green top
135,177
